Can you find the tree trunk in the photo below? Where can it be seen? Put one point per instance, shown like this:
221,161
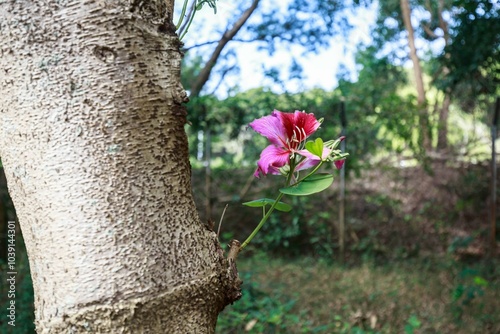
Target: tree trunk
419,82
442,144
93,145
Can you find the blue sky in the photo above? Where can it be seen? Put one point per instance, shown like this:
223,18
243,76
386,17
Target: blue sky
320,69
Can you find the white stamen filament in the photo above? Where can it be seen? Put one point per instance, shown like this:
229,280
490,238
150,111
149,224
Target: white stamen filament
299,136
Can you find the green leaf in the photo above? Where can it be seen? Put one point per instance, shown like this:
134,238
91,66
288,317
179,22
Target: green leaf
414,322
280,206
313,184
409,329
315,147
480,281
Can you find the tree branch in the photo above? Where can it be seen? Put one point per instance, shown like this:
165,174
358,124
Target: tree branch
443,24
185,49
223,75
429,31
228,35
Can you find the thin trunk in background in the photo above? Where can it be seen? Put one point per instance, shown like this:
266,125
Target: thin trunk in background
424,131
208,173
343,122
493,203
444,111
442,140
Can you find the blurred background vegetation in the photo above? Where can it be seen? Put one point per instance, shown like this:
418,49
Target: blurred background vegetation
419,254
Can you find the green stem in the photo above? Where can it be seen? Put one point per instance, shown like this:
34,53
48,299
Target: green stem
261,223
268,214
189,24
182,15
293,163
311,173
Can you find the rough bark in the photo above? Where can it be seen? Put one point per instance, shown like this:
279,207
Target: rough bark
419,81
93,145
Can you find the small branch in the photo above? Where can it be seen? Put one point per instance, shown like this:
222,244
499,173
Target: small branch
232,271
220,222
213,42
228,35
234,249
443,24
247,185
429,31
221,80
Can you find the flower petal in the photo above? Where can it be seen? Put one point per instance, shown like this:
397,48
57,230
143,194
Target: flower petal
339,163
299,119
272,128
271,159
311,160
309,155
307,163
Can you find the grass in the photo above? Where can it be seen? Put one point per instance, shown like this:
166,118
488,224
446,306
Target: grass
415,296
307,295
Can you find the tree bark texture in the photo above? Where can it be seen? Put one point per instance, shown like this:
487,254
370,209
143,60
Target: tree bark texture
419,81
93,145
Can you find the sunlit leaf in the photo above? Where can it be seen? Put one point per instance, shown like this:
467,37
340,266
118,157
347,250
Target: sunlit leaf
313,184
280,206
315,147
480,281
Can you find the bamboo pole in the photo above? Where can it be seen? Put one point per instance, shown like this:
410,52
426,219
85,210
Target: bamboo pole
208,173
493,242
342,186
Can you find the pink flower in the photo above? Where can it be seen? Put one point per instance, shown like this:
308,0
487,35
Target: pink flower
311,159
286,132
339,163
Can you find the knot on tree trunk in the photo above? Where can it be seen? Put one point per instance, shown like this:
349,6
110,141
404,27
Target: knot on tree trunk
232,272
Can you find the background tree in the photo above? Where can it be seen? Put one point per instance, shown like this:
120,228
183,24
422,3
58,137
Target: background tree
436,47
472,55
425,140
309,25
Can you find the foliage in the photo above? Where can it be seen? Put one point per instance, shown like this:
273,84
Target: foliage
380,102
282,233
412,324
197,6
473,55
311,296
373,102
306,230
261,312
302,22
457,43
366,119
299,24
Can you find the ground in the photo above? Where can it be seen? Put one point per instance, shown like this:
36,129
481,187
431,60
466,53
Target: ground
416,256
